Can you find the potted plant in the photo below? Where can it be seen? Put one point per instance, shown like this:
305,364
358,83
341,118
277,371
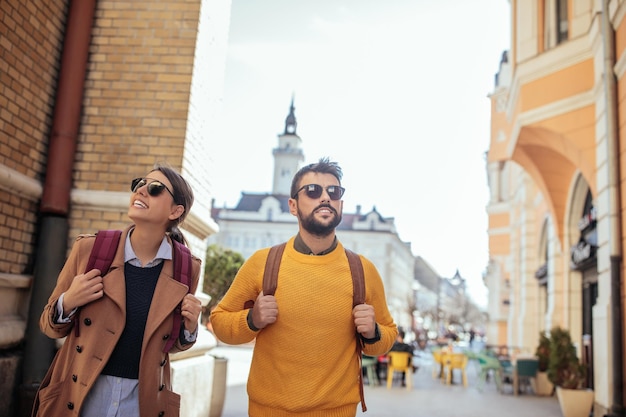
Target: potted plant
568,375
543,386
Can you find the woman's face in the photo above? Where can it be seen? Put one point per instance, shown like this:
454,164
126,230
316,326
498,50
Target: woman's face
152,203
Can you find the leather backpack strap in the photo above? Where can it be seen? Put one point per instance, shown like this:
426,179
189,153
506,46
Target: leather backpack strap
270,273
358,297
358,278
181,260
101,258
272,265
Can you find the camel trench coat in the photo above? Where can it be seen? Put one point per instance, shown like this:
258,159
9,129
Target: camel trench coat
81,359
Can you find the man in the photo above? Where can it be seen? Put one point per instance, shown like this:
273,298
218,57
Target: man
305,362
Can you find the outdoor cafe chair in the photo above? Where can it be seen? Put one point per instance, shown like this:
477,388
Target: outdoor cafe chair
472,357
521,373
489,365
454,361
506,371
368,363
438,356
399,362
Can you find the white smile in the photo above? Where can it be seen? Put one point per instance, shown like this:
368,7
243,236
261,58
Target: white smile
138,203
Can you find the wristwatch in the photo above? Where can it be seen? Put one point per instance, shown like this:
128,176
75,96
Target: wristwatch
250,322
374,339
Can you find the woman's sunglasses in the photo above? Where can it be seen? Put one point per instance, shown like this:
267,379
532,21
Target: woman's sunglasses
154,187
313,191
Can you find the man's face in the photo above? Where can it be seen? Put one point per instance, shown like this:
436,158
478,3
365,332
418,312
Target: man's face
317,215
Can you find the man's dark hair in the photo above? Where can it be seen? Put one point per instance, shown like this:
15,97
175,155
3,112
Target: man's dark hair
323,166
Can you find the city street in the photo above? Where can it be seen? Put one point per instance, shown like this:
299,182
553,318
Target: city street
428,397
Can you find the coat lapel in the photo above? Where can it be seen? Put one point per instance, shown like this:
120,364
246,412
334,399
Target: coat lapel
114,284
167,294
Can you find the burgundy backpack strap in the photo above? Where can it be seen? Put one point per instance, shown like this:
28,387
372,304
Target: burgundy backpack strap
181,260
358,297
103,250
101,258
272,265
182,263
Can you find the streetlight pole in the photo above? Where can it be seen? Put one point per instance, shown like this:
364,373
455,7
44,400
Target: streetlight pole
438,305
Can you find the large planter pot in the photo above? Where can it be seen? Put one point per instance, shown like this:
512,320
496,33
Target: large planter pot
218,394
543,386
575,402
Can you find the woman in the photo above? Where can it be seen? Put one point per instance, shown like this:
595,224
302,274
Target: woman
115,365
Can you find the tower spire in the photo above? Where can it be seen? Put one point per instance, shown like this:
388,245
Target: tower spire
290,121
288,155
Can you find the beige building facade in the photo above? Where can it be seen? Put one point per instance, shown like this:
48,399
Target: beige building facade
557,178
93,94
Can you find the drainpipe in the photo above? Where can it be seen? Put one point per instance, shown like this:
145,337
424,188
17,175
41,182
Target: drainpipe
610,90
50,255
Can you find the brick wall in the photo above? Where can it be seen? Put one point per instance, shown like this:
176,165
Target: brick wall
137,91
135,113
30,46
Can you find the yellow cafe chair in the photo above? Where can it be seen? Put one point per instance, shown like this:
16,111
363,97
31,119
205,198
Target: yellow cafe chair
456,361
399,362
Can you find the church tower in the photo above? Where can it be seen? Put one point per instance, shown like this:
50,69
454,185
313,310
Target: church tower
288,155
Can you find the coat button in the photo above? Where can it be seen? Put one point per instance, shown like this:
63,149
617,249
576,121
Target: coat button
161,413
79,349
70,405
161,387
74,378
165,337
87,321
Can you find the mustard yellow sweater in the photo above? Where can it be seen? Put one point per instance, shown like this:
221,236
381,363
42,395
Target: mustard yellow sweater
305,363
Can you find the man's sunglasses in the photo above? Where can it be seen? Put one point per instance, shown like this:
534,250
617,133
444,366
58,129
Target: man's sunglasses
335,192
154,187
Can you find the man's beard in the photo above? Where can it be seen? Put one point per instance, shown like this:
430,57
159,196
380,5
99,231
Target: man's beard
313,226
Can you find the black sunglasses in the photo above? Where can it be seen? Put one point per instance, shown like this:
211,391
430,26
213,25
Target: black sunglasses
154,187
335,192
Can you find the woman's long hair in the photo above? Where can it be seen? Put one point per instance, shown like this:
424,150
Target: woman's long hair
183,195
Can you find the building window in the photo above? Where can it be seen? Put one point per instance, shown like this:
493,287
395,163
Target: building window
556,23
561,19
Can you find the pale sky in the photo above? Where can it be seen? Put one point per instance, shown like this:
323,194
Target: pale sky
395,91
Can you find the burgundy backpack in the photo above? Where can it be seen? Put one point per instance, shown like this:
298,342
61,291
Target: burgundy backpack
102,255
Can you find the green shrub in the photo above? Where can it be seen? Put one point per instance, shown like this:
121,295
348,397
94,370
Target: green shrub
221,266
564,368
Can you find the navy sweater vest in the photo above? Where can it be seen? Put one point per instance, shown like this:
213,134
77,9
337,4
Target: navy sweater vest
140,285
